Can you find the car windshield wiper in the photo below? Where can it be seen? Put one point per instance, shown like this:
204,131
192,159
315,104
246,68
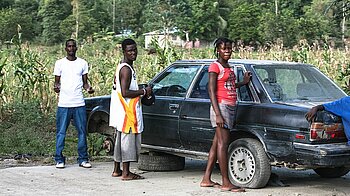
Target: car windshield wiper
303,98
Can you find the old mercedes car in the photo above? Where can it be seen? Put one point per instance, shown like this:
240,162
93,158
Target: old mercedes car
271,129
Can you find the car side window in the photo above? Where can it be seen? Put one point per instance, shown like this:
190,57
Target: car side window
244,93
272,83
200,89
175,81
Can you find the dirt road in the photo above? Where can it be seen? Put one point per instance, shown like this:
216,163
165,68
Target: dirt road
73,180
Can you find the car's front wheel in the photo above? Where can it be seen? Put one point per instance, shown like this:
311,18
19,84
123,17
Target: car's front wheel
335,172
248,163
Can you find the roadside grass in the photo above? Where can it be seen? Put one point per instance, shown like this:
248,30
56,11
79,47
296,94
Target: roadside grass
26,131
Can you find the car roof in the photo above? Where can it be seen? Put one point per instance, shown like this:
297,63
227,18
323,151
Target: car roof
244,61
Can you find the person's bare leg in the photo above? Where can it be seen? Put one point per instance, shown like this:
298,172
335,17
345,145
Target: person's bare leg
116,171
206,181
223,138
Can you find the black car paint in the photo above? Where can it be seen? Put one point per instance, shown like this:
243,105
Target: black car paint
189,133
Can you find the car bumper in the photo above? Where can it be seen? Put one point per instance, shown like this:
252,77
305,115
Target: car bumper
324,155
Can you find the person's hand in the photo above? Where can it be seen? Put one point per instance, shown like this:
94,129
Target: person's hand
90,90
220,121
148,91
310,115
247,76
56,88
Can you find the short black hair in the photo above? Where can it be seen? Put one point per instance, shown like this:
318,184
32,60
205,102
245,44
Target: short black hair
127,42
219,41
71,40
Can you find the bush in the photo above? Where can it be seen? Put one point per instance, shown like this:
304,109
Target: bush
25,129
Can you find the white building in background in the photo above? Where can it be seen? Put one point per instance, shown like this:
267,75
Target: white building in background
161,37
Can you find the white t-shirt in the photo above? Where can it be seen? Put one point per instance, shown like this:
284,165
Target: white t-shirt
71,73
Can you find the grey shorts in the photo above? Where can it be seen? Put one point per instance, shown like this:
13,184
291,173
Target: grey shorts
228,113
127,147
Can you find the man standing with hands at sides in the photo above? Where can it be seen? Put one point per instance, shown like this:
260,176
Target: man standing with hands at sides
128,121
71,75
223,97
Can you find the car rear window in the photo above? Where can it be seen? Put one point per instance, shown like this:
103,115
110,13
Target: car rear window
295,83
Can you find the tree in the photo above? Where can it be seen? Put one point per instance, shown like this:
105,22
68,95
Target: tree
160,14
29,9
203,21
243,22
274,27
12,23
341,10
5,4
314,25
86,18
128,16
52,12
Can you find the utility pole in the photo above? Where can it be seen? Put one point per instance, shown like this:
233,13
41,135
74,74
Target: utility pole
75,4
276,7
114,16
343,23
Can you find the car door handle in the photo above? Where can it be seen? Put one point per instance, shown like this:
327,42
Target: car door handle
173,106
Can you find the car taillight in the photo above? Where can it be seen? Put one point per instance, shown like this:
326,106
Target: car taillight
321,131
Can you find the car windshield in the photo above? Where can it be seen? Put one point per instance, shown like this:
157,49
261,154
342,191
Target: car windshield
297,83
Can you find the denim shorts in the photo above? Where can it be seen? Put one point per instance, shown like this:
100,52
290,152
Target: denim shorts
228,113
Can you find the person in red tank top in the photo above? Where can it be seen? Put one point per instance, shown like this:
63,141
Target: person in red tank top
223,97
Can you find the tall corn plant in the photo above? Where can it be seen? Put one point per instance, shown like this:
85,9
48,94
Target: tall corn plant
155,62
3,60
31,77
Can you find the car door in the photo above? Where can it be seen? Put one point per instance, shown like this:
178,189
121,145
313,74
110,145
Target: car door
161,120
196,132
247,103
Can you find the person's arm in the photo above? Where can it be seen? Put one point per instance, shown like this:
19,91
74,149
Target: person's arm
125,80
310,115
214,102
57,84
86,84
246,79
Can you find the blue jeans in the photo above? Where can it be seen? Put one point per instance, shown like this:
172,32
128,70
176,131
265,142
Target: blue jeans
63,118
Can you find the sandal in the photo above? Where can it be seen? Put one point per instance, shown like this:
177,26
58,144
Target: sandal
133,177
213,184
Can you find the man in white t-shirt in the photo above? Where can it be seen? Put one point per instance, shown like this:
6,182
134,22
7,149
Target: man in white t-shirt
71,75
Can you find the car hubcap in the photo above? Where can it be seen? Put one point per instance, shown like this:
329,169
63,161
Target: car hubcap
241,165
108,145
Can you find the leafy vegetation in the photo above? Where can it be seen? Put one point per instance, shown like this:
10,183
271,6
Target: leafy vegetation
25,129
264,22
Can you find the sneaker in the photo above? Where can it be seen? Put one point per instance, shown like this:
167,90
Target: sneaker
85,164
60,165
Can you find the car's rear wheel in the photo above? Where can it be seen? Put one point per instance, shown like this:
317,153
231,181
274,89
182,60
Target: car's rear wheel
335,172
155,161
108,145
248,163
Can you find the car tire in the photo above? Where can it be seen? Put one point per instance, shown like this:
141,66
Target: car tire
335,172
160,162
108,145
248,164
